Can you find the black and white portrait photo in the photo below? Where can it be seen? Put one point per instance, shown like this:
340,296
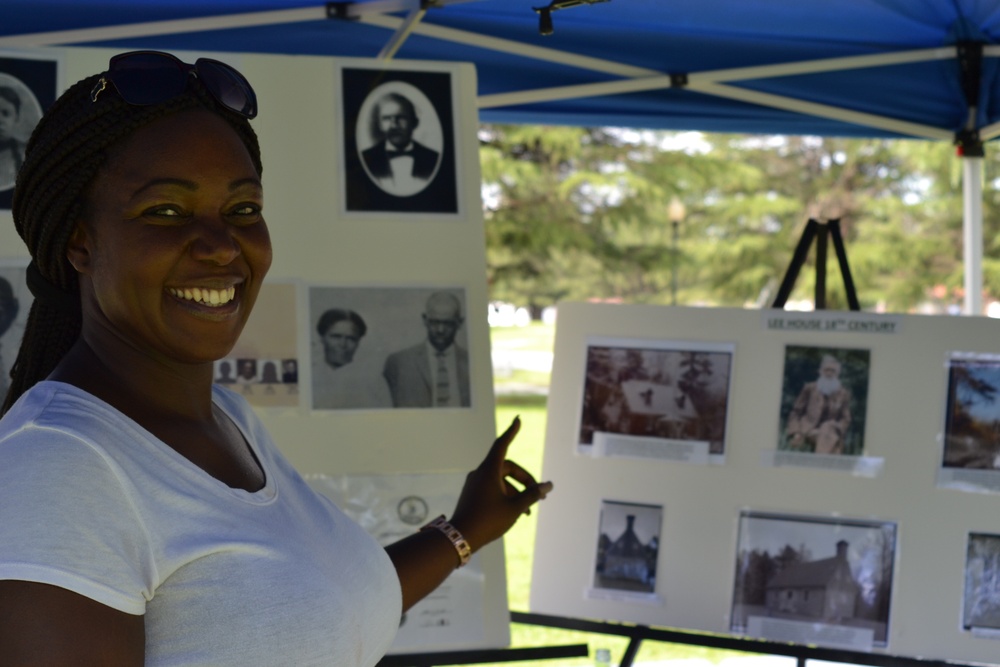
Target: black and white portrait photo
27,87
399,141
628,546
15,301
661,390
377,348
796,575
824,400
981,605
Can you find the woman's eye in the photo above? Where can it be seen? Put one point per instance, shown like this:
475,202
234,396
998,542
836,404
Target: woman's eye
163,211
246,211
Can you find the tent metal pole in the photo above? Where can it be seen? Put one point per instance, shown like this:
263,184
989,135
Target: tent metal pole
399,37
153,28
972,227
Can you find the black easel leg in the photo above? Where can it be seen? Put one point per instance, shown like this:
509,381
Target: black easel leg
632,650
798,259
845,270
819,294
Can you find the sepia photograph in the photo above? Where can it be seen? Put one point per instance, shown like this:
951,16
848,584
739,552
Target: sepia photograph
399,141
981,605
628,544
824,400
388,347
972,421
27,86
813,570
263,365
663,390
15,301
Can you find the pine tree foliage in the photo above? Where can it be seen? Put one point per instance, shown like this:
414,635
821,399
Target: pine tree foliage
582,213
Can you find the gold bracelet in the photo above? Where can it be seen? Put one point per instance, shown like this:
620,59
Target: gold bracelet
460,543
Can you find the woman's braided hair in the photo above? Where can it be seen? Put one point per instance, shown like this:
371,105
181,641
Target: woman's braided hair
65,152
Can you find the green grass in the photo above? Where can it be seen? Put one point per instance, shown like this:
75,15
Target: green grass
537,337
519,543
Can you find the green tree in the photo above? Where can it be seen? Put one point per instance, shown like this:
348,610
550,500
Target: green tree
577,213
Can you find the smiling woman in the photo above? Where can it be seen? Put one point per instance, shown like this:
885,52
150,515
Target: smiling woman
174,531
155,243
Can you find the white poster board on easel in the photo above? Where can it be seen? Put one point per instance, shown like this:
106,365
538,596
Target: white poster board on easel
315,130
901,533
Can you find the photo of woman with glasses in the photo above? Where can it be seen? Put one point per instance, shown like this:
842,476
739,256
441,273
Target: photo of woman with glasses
146,516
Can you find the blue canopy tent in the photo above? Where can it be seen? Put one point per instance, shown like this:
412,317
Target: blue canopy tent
883,68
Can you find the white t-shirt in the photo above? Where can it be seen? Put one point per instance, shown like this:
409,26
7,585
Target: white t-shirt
92,502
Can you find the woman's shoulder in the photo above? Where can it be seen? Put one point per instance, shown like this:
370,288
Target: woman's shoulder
51,437
59,406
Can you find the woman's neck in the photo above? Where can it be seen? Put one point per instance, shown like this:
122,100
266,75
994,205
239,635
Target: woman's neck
137,385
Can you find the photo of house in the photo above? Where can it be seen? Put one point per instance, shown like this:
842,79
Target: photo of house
627,547
814,570
659,390
823,589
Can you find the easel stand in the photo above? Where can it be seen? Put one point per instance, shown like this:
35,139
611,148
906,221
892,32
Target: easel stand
636,635
818,231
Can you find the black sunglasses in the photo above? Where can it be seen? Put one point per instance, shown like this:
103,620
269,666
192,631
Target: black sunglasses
150,77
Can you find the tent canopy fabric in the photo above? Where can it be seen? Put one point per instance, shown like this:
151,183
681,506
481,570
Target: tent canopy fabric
877,68
917,68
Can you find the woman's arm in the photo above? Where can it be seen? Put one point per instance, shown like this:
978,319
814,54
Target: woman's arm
487,507
47,625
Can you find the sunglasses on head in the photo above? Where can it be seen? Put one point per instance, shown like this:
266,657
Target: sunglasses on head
150,77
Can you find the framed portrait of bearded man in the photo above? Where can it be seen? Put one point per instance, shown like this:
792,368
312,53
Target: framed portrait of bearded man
824,400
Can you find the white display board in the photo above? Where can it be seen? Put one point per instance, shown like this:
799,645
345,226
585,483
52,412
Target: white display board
431,240
898,517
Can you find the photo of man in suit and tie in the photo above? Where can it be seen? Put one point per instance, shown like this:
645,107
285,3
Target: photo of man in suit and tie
398,163
435,372
400,142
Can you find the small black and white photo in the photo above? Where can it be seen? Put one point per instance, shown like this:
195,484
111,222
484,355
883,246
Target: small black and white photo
246,371
981,604
27,87
399,141
628,546
388,347
15,301
225,371
799,574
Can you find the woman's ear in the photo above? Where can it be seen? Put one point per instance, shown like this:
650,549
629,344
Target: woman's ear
78,249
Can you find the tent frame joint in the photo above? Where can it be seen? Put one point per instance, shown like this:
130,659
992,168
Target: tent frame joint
341,11
968,143
679,80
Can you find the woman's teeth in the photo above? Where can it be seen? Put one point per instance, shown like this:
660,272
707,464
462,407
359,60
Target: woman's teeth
208,297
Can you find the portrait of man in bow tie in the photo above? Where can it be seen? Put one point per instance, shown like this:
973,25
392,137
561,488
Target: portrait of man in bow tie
398,163
400,141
